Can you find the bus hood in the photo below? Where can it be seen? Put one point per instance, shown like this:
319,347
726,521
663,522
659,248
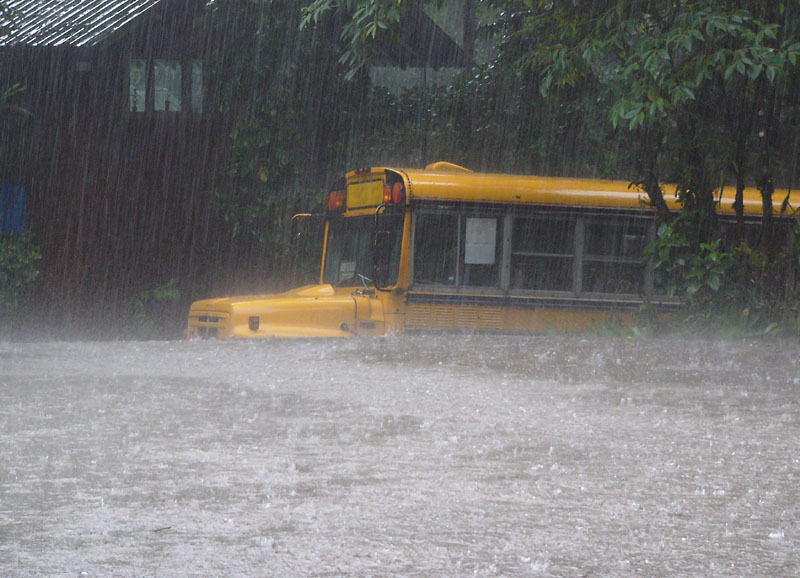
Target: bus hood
310,311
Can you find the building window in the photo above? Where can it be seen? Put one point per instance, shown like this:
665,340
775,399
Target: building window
137,86
197,86
167,85
160,85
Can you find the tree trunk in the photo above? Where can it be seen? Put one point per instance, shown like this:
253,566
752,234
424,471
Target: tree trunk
744,126
653,190
738,206
767,187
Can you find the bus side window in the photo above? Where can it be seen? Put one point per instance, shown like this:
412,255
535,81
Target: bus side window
435,245
612,260
542,253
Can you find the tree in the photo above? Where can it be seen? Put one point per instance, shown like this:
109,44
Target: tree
688,76
290,112
363,23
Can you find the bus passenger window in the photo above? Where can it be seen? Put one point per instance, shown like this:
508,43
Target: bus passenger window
613,254
542,253
435,244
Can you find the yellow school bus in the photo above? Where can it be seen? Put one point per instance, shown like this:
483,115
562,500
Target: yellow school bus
445,248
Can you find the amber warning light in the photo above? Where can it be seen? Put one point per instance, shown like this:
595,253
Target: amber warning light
394,194
336,201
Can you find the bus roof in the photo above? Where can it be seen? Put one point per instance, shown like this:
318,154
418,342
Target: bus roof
451,183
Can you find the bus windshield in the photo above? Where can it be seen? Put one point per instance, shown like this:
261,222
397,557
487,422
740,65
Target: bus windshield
351,250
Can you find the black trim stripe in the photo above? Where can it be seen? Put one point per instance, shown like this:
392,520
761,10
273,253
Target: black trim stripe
535,302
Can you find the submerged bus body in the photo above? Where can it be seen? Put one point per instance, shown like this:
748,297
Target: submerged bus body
447,249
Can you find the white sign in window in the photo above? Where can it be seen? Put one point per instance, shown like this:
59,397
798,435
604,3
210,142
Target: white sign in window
481,241
347,270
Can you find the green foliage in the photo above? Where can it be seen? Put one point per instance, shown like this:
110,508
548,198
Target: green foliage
705,270
150,307
276,83
367,23
8,108
686,268
10,92
668,256
263,165
696,274
19,268
740,290
655,57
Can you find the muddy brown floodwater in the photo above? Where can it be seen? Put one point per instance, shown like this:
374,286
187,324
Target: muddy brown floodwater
426,455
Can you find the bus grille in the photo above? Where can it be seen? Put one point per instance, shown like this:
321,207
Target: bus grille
206,326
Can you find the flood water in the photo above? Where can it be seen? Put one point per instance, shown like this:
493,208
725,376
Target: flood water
429,455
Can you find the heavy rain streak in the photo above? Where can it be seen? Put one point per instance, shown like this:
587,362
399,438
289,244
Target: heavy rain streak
414,288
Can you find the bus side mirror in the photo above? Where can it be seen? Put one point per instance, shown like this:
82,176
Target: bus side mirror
299,225
305,234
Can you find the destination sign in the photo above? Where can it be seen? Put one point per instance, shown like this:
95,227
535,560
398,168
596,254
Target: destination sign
364,194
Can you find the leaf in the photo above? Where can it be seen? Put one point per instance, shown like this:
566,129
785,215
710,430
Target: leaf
547,81
729,71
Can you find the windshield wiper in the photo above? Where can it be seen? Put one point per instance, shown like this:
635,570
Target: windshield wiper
365,281
365,288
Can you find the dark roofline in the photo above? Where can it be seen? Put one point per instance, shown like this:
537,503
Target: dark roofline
422,42
89,23
428,42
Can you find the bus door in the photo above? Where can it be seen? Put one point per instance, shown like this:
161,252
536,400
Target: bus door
387,236
369,313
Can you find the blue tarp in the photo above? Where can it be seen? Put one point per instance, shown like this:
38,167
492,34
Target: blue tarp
12,209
